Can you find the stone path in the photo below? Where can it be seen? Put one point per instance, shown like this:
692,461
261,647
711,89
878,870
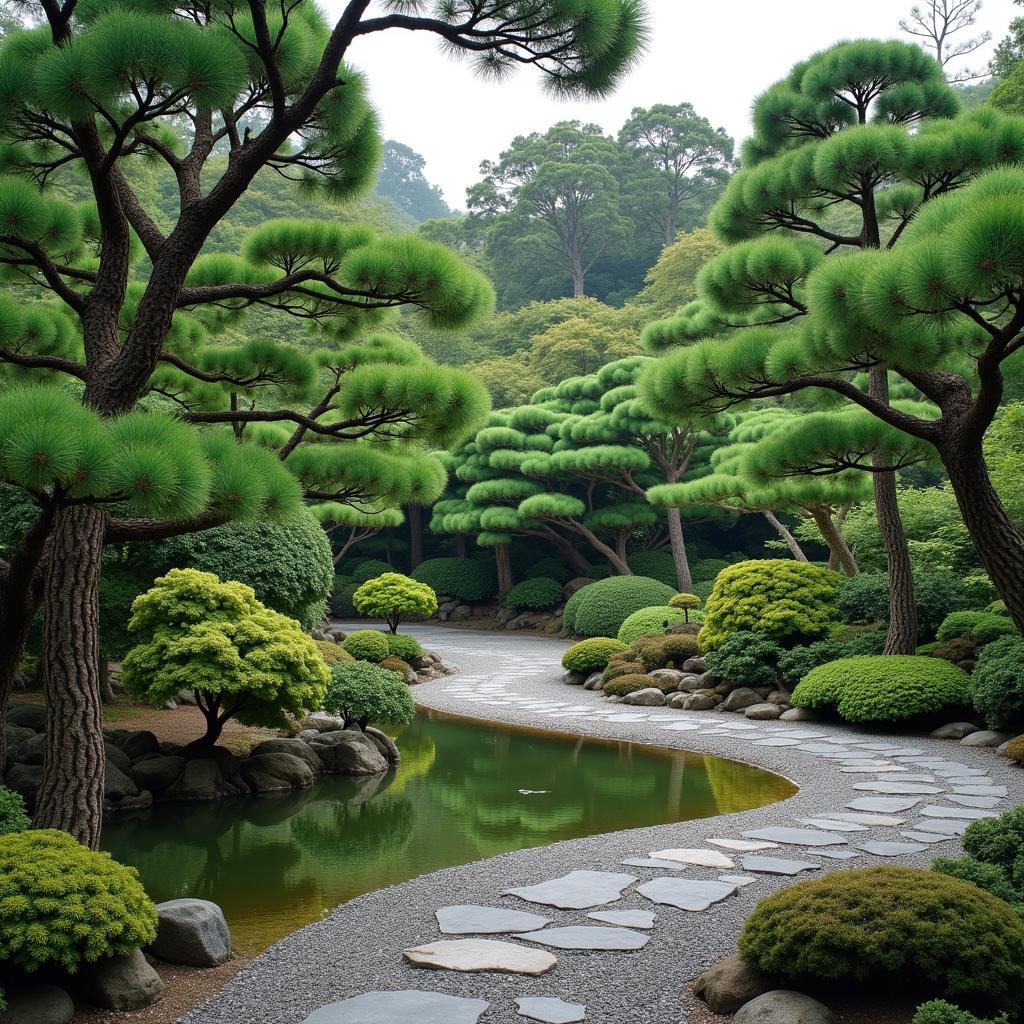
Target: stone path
618,924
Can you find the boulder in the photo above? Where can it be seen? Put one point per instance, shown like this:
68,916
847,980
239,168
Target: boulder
573,678
954,731
37,1004
349,752
117,786
460,613
30,751
28,716
187,697
679,700
321,722
697,702
116,756
267,773
122,983
26,780
762,712
16,735
730,984
800,715
202,779
158,772
782,1007
708,680
691,683
191,932
593,681
695,665
668,678
170,748
723,689
293,745
741,699
576,583
650,697
985,738
779,697
137,744
385,744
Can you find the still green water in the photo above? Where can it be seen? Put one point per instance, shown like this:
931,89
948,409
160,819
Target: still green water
463,791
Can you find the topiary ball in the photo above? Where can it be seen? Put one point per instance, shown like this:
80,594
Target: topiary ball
467,579
535,594
404,647
626,684
605,605
671,651
591,655
649,622
367,645
981,627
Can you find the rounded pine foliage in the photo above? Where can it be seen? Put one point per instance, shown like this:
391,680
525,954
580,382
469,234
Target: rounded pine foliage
992,878
671,651
466,579
537,593
604,606
392,596
981,627
591,655
999,841
790,601
628,683
649,622
65,905
404,647
12,812
880,925
363,693
884,688
998,683
367,645
746,659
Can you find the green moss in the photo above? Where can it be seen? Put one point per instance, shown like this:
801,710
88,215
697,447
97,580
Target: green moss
591,655
649,622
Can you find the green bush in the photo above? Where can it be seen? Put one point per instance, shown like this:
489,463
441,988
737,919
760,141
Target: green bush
981,627
865,598
617,669
606,604
629,684
746,659
938,1011
64,905
591,655
790,601
404,647
999,841
341,600
998,683
884,688
649,622
670,651
466,579
572,605
537,594
707,569
392,596
991,877
555,568
887,925
332,653
12,812
367,645
395,664
363,693
658,565
686,602
369,569
794,664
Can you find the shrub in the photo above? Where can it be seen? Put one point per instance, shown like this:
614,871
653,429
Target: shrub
617,669
670,651
555,568
395,664
466,579
707,569
404,647
999,841
367,645
341,600
789,601
364,693
606,604
884,688
12,812
392,596
865,598
887,925
537,593
572,605
990,877
981,627
591,655
998,683
746,659
627,684
794,664
649,622
370,568
938,1011
658,565
63,904
1015,749
239,658
992,628
686,602
960,648
332,653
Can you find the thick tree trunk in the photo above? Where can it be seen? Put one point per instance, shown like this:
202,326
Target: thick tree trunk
460,545
839,550
783,531
566,549
621,540
415,518
684,580
618,564
578,275
71,795
503,562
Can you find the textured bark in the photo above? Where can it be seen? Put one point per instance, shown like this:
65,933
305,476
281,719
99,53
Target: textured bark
783,531
618,564
503,562
684,580
839,550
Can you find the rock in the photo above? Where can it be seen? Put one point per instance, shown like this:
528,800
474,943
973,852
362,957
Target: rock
192,932
985,738
186,697
37,1004
578,890
385,744
157,773
116,756
461,613
407,1006
202,779
685,893
321,722
28,716
30,751
16,735
708,680
573,678
700,702
690,683
138,743
577,583
679,700
800,715
954,731
779,697
668,678
170,749
614,699
291,745
349,752
266,773
741,699
593,681
470,919
470,955
550,1010
782,1007
26,780
762,712
725,688
695,665
730,984
117,786
650,697
588,937
122,983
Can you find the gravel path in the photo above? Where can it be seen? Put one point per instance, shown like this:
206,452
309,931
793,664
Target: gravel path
515,679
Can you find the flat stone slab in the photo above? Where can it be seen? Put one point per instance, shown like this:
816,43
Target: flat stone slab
856,769
474,920
899,788
471,955
739,880
881,849
927,837
653,862
407,1006
685,893
777,741
833,826
974,801
702,858
549,1010
868,819
883,804
943,826
577,890
822,748
743,845
625,918
777,865
937,811
833,854
878,746
980,790
587,937
796,836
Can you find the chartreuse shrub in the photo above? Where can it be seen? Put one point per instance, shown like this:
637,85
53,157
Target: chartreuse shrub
12,812
878,925
239,658
938,1011
466,579
981,627
628,683
746,659
649,622
392,596
884,688
790,601
671,651
65,905
591,655
998,683
404,647
362,693
536,594
367,645
687,603
606,604
332,653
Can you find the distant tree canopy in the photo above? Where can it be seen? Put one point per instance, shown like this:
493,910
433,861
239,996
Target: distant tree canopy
403,181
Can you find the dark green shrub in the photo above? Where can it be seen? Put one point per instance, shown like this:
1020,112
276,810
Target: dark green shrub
341,600
554,568
658,565
629,684
960,648
746,659
884,688
466,579
606,604
363,693
649,622
887,925
865,598
370,569
572,606
591,655
990,877
705,570
998,683
617,669
981,627
537,594
367,645
794,664
670,651
65,905
1000,841
994,628
938,1011
404,647
12,812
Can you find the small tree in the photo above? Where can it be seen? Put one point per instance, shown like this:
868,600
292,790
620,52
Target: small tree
362,693
392,595
239,658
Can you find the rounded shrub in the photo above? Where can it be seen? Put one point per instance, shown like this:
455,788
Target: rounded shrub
707,569
671,651
367,645
998,683
591,655
795,663
404,647
392,597
649,622
64,905
370,568
536,594
363,693
659,565
395,664
687,603
341,600
12,812
884,688
981,627
992,878
746,659
572,606
879,925
999,841
938,1011
790,601
555,568
467,579
332,653
1015,749
629,683
615,669
606,604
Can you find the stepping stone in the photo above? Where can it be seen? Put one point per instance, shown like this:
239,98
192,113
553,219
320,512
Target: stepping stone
926,837
935,811
879,770
702,858
743,845
577,890
974,801
833,826
740,880
777,741
980,790
904,752
408,1006
585,937
883,804
943,826
777,865
880,849
470,955
835,854
549,1010
653,862
474,920
821,748
878,746
797,836
868,819
685,893
803,734
680,727
899,788
625,918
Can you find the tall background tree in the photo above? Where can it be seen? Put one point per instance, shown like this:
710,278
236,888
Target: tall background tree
402,180
940,26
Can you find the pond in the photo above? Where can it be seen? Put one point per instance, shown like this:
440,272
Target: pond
464,790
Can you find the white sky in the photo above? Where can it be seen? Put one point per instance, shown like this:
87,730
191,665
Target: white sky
715,54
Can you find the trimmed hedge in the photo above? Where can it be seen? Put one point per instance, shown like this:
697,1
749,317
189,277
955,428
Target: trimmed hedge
367,645
629,684
981,627
670,651
604,606
746,659
1015,749
649,622
591,655
404,647
998,683
536,594
467,579
332,653
658,565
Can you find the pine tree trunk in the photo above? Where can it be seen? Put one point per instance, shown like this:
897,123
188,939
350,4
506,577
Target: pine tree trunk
503,562
684,580
839,550
460,545
71,795
576,561
415,518
783,531
618,564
